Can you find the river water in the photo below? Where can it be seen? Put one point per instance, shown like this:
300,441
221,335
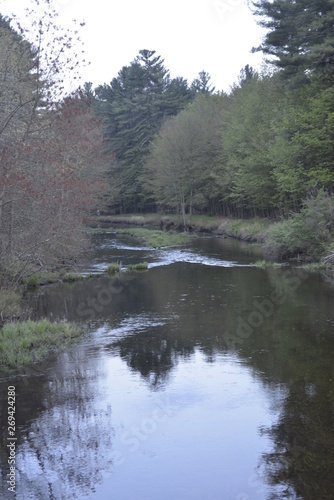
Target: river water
203,378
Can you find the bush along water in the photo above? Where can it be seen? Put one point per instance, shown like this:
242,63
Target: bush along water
307,235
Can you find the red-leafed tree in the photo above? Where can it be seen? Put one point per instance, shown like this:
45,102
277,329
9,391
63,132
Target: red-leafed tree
51,158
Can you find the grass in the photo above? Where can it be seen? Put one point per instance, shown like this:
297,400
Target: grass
141,266
38,279
254,229
261,263
71,277
157,239
27,342
113,268
313,267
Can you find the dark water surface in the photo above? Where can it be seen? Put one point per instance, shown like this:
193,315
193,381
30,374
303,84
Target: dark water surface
203,378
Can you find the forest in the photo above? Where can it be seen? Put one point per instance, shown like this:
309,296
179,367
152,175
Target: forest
147,142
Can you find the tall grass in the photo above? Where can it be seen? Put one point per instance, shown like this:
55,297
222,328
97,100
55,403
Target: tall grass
23,343
157,239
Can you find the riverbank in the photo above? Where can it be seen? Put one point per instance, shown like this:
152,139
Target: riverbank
293,240
152,230
252,230
26,342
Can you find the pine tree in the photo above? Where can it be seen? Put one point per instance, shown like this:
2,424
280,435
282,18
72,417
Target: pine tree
300,35
133,107
202,83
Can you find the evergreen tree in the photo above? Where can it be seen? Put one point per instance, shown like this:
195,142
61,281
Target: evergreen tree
300,35
202,83
133,107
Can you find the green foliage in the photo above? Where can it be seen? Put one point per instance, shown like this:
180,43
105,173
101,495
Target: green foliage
245,173
71,277
261,264
133,108
307,233
202,84
157,239
183,155
43,278
113,268
23,343
141,266
299,34
302,154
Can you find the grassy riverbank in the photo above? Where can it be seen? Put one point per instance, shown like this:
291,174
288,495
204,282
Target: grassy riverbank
307,236
27,342
156,238
248,230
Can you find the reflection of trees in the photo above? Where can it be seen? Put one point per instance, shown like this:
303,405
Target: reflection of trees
293,348
303,456
153,354
95,301
64,450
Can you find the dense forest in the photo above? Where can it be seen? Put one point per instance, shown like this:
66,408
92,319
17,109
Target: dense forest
260,150
147,142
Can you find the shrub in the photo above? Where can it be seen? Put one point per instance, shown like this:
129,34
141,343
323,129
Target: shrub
261,263
113,268
307,233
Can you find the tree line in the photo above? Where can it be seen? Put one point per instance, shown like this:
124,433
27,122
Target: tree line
149,142
260,149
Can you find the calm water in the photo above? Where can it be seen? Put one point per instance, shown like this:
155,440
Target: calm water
202,378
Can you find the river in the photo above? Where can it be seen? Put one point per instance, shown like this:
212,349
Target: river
203,378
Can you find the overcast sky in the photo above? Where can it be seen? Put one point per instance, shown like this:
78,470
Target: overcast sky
190,35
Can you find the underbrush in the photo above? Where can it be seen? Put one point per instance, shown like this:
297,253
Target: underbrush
113,268
307,235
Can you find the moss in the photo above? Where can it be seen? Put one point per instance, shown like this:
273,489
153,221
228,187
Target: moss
23,343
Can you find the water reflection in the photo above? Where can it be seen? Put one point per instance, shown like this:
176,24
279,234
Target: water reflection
60,453
190,371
